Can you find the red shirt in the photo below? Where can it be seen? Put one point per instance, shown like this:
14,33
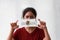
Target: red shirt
22,34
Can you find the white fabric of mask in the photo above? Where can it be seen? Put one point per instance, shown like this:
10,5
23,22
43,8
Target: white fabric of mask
29,23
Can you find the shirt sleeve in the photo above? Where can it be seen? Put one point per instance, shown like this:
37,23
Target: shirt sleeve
42,34
15,35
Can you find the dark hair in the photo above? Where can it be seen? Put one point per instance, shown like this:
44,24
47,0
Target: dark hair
29,9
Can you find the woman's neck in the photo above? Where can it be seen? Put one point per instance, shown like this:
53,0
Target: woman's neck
30,29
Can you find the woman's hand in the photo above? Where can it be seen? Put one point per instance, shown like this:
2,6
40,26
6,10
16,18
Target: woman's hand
42,24
14,25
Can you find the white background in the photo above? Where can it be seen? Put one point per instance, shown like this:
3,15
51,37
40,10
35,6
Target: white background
47,10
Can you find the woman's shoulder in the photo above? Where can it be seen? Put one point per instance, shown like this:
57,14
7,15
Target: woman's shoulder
19,29
41,32
39,29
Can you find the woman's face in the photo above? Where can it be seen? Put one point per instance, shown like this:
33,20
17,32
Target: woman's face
29,15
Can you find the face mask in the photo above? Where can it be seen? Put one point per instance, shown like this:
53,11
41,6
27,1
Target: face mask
29,23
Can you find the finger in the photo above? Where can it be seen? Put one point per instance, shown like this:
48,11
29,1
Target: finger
17,26
13,24
38,19
38,25
16,21
43,23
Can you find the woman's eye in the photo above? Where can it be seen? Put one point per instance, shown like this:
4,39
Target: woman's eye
27,16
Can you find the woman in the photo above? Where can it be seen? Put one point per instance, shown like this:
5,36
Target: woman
29,33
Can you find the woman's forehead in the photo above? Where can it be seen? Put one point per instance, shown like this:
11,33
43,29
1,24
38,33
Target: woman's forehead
29,13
